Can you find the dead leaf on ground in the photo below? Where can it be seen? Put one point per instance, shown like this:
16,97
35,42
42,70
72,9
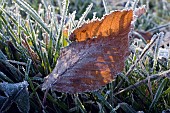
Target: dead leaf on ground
86,65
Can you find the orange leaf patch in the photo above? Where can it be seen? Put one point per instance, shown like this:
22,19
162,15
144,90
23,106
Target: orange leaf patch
113,24
86,65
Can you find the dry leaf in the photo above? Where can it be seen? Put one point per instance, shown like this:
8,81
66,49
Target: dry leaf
113,24
86,65
146,35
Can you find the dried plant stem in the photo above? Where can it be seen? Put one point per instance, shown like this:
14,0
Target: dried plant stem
30,53
152,77
159,27
140,36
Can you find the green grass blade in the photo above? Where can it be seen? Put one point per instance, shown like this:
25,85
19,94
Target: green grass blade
65,9
127,108
27,69
105,102
57,102
167,91
14,21
158,93
79,104
33,14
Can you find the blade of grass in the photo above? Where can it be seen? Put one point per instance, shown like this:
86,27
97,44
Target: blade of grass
5,78
127,108
158,93
31,83
79,104
158,44
27,8
64,12
14,21
101,110
105,102
145,50
158,27
57,102
50,49
152,77
105,7
88,9
167,91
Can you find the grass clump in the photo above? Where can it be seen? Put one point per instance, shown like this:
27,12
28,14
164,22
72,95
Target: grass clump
31,36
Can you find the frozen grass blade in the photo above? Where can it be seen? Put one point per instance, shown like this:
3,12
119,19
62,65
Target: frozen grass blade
126,108
57,102
105,102
88,9
140,36
14,21
9,29
64,13
17,75
105,7
33,13
145,50
144,81
158,27
27,69
79,104
101,110
158,93
134,4
3,77
33,39
158,44
31,83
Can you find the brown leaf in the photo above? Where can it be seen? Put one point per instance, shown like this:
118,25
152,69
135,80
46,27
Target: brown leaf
86,65
112,24
146,35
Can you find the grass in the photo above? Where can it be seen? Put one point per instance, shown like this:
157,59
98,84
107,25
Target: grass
30,44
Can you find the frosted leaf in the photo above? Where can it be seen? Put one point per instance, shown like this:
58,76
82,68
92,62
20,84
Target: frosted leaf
89,63
17,93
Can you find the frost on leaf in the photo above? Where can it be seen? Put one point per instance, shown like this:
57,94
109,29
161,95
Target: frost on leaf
17,93
110,25
86,65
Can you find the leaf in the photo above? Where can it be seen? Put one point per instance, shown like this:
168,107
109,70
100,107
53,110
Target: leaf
113,25
2,100
86,65
22,101
17,93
